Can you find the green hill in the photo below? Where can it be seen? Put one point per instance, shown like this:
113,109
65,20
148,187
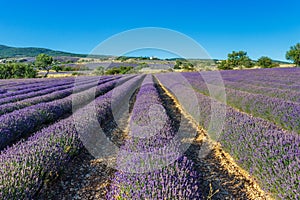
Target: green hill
11,52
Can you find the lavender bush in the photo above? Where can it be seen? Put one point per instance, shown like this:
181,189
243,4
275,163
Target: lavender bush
150,165
49,95
19,123
269,153
283,113
35,92
26,165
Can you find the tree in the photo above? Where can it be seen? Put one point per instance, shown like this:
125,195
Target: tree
17,70
57,68
294,54
30,71
236,59
239,58
119,70
44,62
188,66
266,62
246,62
177,65
224,65
183,64
99,71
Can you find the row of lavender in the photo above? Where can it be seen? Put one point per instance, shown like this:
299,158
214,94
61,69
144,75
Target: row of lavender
281,112
281,76
23,122
2,91
26,165
17,95
287,79
17,86
40,90
266,151
287,95
6,83
149,164
50,93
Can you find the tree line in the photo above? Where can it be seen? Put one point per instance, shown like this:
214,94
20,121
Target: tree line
241,59
234,60
17,70
22,70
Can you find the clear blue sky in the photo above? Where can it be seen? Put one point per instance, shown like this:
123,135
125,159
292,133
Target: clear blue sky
259,27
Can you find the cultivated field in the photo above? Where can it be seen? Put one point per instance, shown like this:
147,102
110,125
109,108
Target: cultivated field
160,136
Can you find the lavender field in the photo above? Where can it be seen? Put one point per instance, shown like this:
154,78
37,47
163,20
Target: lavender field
143,136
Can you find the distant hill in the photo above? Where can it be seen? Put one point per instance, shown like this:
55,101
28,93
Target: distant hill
12,52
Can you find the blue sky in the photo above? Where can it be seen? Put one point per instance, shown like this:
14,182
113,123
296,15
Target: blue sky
262,28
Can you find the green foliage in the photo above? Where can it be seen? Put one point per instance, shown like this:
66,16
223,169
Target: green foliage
177,65
239,58
183,64
122,58
119,70
175,59
99,71
77,74
266,62
224,65
188,66
43,62
57,68
67,68
236,59
294,54
17,70
247,62
74,68
142,65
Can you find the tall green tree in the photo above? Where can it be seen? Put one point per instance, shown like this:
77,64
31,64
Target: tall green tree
294,54
239,58
43,62
266,62
236,59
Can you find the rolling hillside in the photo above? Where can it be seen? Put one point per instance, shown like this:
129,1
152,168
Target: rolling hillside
9,52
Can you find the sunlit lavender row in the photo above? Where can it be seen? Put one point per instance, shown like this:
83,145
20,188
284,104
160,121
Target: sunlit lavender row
265,150
253,114
282,112
150,164
27,164
20,123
